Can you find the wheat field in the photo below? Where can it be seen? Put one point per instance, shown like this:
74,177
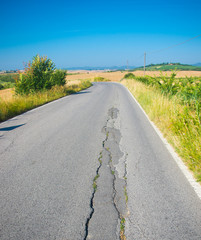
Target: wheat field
117,76
78,76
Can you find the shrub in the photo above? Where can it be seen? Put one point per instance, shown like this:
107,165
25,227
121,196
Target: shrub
59,77
187,89
39,75
129,76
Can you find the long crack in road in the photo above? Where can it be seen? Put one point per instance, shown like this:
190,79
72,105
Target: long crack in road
109,198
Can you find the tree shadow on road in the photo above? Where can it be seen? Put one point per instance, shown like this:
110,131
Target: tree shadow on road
81,92
11,128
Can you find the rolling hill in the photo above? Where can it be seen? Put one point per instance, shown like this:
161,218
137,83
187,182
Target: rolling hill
169,67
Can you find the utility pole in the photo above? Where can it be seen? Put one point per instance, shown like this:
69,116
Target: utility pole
144,62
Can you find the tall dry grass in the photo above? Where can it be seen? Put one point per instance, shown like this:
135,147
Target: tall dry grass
16,104
7,94
179,124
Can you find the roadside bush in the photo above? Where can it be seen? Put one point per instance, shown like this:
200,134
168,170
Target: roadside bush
40,74
129,76
59,77
144,79
188,90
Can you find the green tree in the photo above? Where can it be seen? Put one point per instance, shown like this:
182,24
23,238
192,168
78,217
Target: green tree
40,74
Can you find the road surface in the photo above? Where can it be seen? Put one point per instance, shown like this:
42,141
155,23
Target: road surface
75,168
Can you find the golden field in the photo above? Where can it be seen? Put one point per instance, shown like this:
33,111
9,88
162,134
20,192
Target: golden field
6,94
77,76
117,76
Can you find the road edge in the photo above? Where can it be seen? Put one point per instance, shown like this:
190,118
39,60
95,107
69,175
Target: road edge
189,176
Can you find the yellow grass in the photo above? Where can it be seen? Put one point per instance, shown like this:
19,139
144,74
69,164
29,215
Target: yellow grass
113,76
180,74
12,105
117,76
6,94
177,123
73,82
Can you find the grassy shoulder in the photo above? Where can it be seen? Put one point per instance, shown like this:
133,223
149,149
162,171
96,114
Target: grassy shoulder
178,123
19,104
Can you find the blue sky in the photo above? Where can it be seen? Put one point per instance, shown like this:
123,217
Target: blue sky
99,33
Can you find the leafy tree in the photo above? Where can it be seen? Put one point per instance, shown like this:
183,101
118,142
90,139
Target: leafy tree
40,74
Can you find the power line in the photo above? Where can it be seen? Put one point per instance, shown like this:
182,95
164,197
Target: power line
160,50
174,45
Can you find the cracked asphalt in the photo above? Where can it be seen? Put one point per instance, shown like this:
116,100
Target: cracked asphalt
76,168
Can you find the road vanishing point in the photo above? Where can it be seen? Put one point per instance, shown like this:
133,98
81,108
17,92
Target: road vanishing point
91,166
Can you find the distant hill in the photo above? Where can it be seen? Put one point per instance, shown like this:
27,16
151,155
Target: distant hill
101,68
197,64
170,66
151,67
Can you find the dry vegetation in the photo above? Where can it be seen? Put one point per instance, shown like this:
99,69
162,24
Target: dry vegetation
6,94
77,77
12,104
117,76
178,122
113,76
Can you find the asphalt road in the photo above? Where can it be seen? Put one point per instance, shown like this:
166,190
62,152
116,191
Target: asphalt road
66,169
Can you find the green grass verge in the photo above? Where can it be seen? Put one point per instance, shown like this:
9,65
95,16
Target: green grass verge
20,104
178,122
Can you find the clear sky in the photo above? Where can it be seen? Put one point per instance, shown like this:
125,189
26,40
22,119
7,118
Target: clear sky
99,33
